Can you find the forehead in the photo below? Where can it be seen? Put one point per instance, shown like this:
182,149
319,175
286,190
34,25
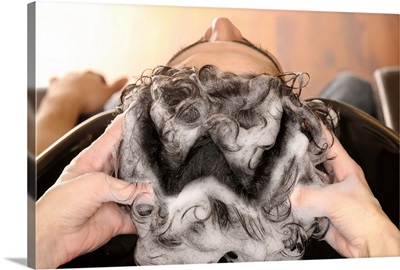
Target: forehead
233,56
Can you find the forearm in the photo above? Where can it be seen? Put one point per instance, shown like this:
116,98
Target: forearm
55,117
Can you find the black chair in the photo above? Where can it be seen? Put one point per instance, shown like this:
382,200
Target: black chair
372,145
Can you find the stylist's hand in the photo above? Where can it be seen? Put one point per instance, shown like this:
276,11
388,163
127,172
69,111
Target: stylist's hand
359,227
79,213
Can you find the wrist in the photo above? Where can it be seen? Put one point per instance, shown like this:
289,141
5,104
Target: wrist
46,257
384,241
47,245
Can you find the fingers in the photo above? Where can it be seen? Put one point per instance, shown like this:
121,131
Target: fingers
311,201
114,87
102,188
97,157
127,226
96,75
342,166
119,191
118,85
338,163
336,240
132,194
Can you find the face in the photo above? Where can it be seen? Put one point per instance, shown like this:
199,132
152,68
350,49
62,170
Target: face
224,47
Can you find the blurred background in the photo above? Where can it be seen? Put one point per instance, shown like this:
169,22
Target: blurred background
123,40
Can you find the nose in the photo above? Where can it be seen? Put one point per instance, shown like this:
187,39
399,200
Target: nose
222,29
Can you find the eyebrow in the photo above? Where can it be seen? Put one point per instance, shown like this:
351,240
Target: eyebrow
243,42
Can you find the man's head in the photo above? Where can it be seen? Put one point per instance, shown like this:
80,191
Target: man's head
223,153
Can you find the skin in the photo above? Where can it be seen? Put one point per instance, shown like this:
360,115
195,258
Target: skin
79,212
221,49
359,227
66,99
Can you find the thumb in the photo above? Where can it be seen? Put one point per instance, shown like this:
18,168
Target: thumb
127,226
312,200
120,191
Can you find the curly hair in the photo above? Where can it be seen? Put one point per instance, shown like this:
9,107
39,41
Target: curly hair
223,153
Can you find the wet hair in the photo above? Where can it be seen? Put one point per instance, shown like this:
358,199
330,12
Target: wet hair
231,147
